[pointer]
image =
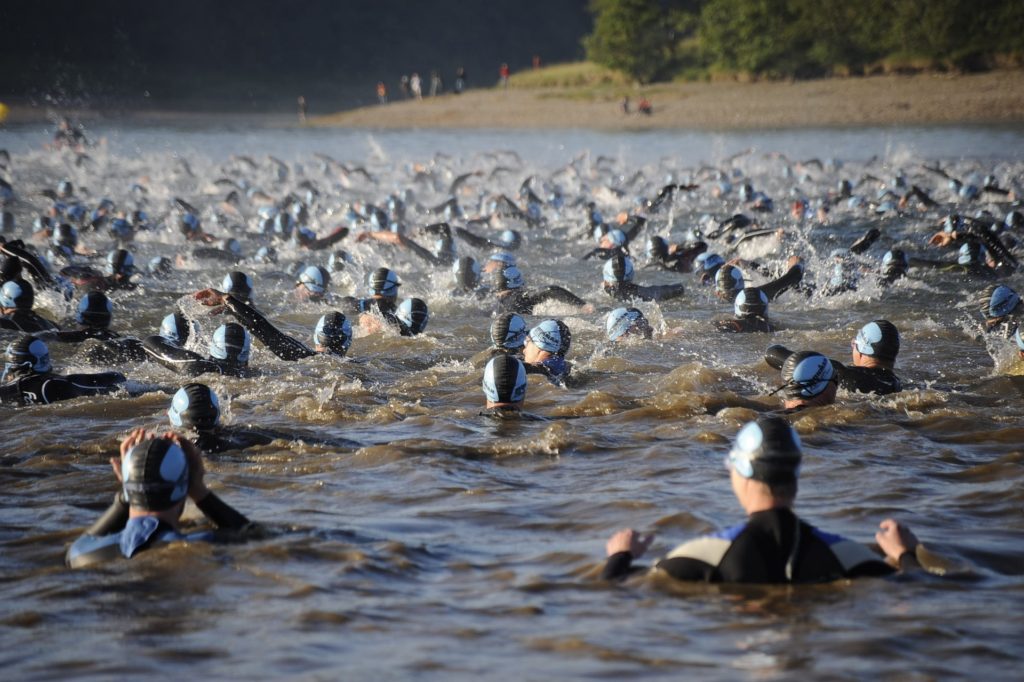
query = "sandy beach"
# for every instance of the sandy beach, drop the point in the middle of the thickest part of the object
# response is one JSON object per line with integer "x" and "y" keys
{"x": 994, "y": 97}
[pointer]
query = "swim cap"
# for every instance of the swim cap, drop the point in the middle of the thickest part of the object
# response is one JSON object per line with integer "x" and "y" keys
{"x": 121, "y": 230}
{"x": 1013, "y": 220}
{"x": 508, "y": 278}
{"x": 729, "y": 280}
{"x": 657, "y": 247}
{"x": 413, "y": 314}
{"x": 508, "y": 331}
{"x": 617, "y": 237}
{"x": 188, "y": 224}
{"x": 95, "y": 310}
{"x": 155, "y": 474}
{"x": 618, "y": 268}
{"x": 232, "y": 343}
{"x": 65, "y": 189}
{"x": 999, "y": 301}
{"x": 547, "y": 336}
{"x": 337, "y": 261}
{"x": 502, "y": 257}
{"x": 282, "y": 225}
{"x": 238, "y": 284}
{"x": 10, "y": 269}
{"x": 504, "y": 380}
{"x": 879, "y": 339}
{"x": 767, "y": 450}
{"x": 315, "y": 279}
{"x": 807, "y": 374}
{"x": 27, "y": 353}
{"x": 383, "y": 282}
{"x": 232, "y": 246}
{"x": 626, "y": 320}
{"x": 510, "y": 239}
{"x": 751, "y": 302}
{"x": 711, "y": 261}
{"x": 177, "y": 328}
{"x": 467, "y": 272}
{"x": 65, "y": 235}
{"x": 444, "y": 245}
{"x": 120, "y": 262}
{"x": 17, "y": 294}
{"x": 194, "y": 406}
{"x": 333, "y": 332}
{"x": 895, "y": 262}
{"x": 971, "y": 253}
{"x": 265, "y": 254}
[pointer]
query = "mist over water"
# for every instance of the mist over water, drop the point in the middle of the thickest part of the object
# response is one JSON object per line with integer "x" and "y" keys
{"x": 449, "y": 546}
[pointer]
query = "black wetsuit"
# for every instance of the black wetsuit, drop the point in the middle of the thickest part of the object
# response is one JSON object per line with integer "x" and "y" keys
{"x": 111, "y": 348}
{"x": 627, "y": 291}
{"x": 181, "y": 360}
{"x": 766, "y": 549}
{"x": 877, "y": 380}
{"x": 789, "y": 279}
{"x": 46, "y": 388}
{"x": 115, "y": 535}
{"x": 280, "y": 344}
{"x": 319, "y": 244}
{"x": 211, "y": 253}
{"x": 442, "y": 259}
{"x": 27, "y": 321}
{"x": 554, "y": 368}
{"x": 745, "y": 325}
{"x": 522, "y": 301}
{"x": 682, "y": 259}
{"x": 479, "y": 242}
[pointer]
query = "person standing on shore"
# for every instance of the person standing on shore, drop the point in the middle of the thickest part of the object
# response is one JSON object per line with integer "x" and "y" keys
{"x": 460, "y": 80}
{"x": 504, "y": 72}
{"x": 403, "y": 85}
{"x": 416, "y": 86}
{"x": 302, "y": 109}
{"x": 436, "y": 84}
{"x": 625, "y": 105}
{"x": 382, "y": 92}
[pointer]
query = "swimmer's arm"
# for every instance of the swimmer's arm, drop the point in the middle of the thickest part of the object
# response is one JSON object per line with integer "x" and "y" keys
{"x": 328, "y": 241}
{"x": 622, "y": 548}
{"x": 114, "y": 518}
{"x": 776, "y": 355}
{"x": 221, "y": 513}
{"x": 420, "y": 251}
{"x": 280, "y": 344}
{"x": 638, "y": 223}
{"x": 791, "y": 278}
{"x": 472, "y": 239}
{"x": 556, "y": 293}
{"x": 899, "y": 544}
{"x": 215, "y": 509}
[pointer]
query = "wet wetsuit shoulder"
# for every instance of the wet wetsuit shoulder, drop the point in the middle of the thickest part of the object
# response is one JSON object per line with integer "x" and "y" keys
{"x": 791, "y": 278}
{"x": 876, "y": 380}
{"x": 554, "y": 293}
{"x": 280, "y": 344}
{"x": 178, "y": 359}
{"x": 515, "y": 301}
{"x": 43, "y": 389}
{"x": 26, "y": 321}
{"x": 555, "y": 368}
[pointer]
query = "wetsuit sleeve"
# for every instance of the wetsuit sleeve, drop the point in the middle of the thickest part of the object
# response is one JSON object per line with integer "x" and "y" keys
{"x": 791, "y": 278}
{"x": 866, "y": 380}
{"x": 328, "y": 241}
{"x": 113, "y": 520}
{"x": 776, "y": 355}
{"x": 686, "y": 568}
{"x": 660, "y": 292}
{"x": 556, "y": 293}
{"x": 176, "y": 358}
{"x": 473, "y": 240}
{"x": 280, "y": 344}
{"x": 618, "y": 566}
{"x": 603, "y": 254}
{"x": 70, "y": 336}
{"x": 38, "y": 271}
{"x": 421, "y": 252}
{"x": 221, "y": 513}
{"x": 100, "y": 382}
{"x": 638, "y": 223}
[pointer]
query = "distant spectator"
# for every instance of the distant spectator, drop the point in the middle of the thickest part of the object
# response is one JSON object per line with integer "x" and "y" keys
{"x": 415, "y": 86}
{"x": 536, "y": 61}
{"x": 504, "y": 73}
{"x": 644, "y": 107}
{"x": 625, "y": 105}
{"x": 302, "y": 109}
{"x": 382, "y": 92}
{"x": 436, "y": 84}
{"x": 460, "y": 80}
{"x": 403, "y": 85}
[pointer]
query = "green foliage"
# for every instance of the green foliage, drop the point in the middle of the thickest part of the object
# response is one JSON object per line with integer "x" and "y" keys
{"x": 648, "y": 40}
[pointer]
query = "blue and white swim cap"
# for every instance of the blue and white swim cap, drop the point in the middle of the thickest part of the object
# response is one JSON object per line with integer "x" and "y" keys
{"x": 334, "y": 332}
{"x": 767, "y": 450}
{"x": 879, "y": 339}
{"x": 618, "y": 268}
{"x": 413, "y": 313}
{"x": 547, "y": 336}
{"x": 232, "y": 343}
{"x": 504, "y": 380}
{"x": 194, "y": 406}
{"x": 807, "y": 374}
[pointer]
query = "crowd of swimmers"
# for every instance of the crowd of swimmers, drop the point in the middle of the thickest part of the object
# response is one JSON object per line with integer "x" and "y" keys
{"x": 159, "y": 472}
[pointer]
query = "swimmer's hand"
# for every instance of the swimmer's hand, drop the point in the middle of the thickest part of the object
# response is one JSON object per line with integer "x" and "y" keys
{"x": 628, "y": 540}
{"x": 130, "y": 441}
{"x": 895, "y": 539}
{"x": 942, "y": 238}
{"x": 588, "y": 309}
{"x": 212, "y": 298}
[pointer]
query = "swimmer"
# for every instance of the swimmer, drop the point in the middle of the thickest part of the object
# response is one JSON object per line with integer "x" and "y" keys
{"x": 544, "y": 351}
{"x": 383, "y": 300}
{"x": 810, "y": 381}
{"x": 16, "y": 300}
{"x": 229, "y": 352}
{"x": 307, "y": 239}
{"x": 312, "y": 284}
{"x": 874, "y": 352}
{"x": 229, "y": 251}
{"x": 773, "y": 545}
{"x": 196, "y": 410}
{"x": 706, "y": 266}
{"x": 118, "y": 275}
{"x": 1001, "y": 307}
{"x": 157, "y": 474}
{"x": 499, "y": 260}
{"x": 444, "y": 254}
{"x": 466, "y": 272}
{"x": 238, "y": 284}
{"x": 508, "y": 335}
{"x": 673, "y": 257}
{"x": 507, "y": 240}
{"x": 507, "y": 285}
{"x": 627, "y": 323}
{"x": 750, "y": 314}
{"x": 28, "y": 377}
{"x": 94, "y": 315}
{"x": 618, "y": 283}
{"x": 504, "y": 386}
{"x": 894, "y": 267}
{"x": 333, "y": 332}
{"x": 412, "y": 316}
{"x": 729, "y": 280}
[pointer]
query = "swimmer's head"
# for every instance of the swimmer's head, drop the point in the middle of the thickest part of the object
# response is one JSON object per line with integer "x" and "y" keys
{"x": 879, "y": 339}
{"x": 807, "y": 375}
{"x": 413, "y": 313}
{"x": 750, "y": 302}
{"x": 333, "y": 333}
{"x": 155, "y": 475}
{"x": 508, "y": 278}
{"x": 338, "y": 260}
{"x": 508, "y": 331}
{"x": 767, "y": 450}
{"x": 189, "y": 225}
{"x": 510, "y": 239}
{"x": 504, "y": 381}
{"x": 231, "y": 343}
{"x": 618, "y": 269}
{"x": 65, "y": 235}
{"x": 121, "y": 230}
{"x": 120, "y": 263}
{"x": 265, "y": 254}
{"x": 613, "y": 239}
{"x": 551, "y": 336}
{"x": 238, "y": 284}
{"x": 27, "y": 355}
{"x": 314, "y": 280}
{"x": 65, "y": 189}
{"x": 627, "y": 321}
{"x": 232, "y": 246}
{"x": 895, "y": 263}
{"x": 17, "y": 294}
{"x": 177, "y": 328}
{"x": 95, "y": 310}
{"x": 467, "y": 273}
{"x": 971, "y": 253}
{"x": 499, "y": 260}
{"x": 194, "y": 406}
{"x": 383, "y": 282}
{"x": 728, "y": 282}
{"x": 657, "y": 248}
{"x": 709, "y": 265}
{"x": 998, "y": 301}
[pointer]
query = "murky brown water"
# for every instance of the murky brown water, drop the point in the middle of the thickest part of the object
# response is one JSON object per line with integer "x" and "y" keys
{"x": 453, "y": 547}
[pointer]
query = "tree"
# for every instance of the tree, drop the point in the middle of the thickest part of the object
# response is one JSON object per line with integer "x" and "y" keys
{"x": 637, "y": 37}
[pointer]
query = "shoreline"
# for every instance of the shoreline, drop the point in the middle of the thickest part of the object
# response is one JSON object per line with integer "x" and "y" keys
{"x": 995, "y": 97}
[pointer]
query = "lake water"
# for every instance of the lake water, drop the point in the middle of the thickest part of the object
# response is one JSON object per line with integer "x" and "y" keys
{"x": 452, "y": 547}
